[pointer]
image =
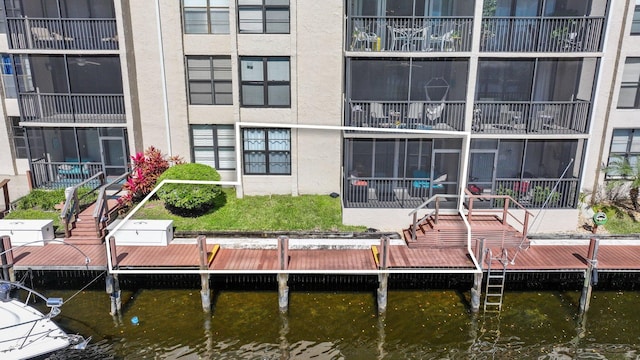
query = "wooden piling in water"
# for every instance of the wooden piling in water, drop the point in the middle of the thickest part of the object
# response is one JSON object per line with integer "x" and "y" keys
{"x": 476, "y": 290}
{"x": 283, "y": 287}
{"x": 592, "y": 263}
{"x": 205, "y": 292}
{"x": 7, "y": 259}
{"x": 383, "y": 278}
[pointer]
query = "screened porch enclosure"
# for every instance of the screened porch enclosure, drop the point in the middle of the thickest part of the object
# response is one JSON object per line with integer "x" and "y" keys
{"x": 533, "y": 172}
{"x": 400, "y": 172}
{"x": 407, "y": 93}
{"x": 403, "y": 173}
{"x": 64, "y": 156}
{"x": 70, "y": 88}
{"x": 534, "y": 95}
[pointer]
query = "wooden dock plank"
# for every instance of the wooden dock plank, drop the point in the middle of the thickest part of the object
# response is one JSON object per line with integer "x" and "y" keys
{"x": 178, "y": 255}
{"x": 59, "y": 256}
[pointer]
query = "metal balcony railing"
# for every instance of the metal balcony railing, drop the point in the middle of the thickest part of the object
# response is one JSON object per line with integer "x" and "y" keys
{"x": 376, "y": 192}
{"x": 72, "y": 108}
{"x": 536, "y": 193}
{"x": 536, "y": 34}
{"x": 58, "y": 174}
{"x": 409, "y": 34}
{"x": 422, "y": 115}
{"x": 531, "y": 117}
{"x": 62, "y": 34}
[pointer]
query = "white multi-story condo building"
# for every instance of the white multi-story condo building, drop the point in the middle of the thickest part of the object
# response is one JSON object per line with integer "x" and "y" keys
{"x": 385, "y": 102}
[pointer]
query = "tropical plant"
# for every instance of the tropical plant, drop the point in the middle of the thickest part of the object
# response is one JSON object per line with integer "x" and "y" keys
{"x": 505, "y": 191}
{"x": 147, "y": 167}
{"x": 190, "y": 199}
{"x": 621, "y": 172}
{"x": 541, "y": 194}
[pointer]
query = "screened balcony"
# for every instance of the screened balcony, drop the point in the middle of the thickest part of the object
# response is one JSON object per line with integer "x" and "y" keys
{"x": 61, "y": 25}
{"x": 72, "y": 108}
{"x": 421, "y": 115}
{"x": 406, "y": 93}
{"x": 409, "y": 25}
{"x": 565, "y": 26}
{"x": 62, "y": 34}
{"x": 409, "y": 34}
{"x": 531, "y": 117}
{"x": 533, "y": 34}
{"x": 546, "y": 95}
{"x": 70, "y": 89}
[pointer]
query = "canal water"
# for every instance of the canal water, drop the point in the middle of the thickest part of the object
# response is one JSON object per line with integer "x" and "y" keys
{"x": 419, "y": 324}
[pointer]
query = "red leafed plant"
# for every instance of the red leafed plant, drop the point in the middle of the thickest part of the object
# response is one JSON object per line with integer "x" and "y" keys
{"x": 147, "y": 167}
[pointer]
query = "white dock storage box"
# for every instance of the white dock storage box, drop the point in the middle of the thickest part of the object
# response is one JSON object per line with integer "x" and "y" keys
{"x": 27, "y": 232}
{"x": 143, "y": 233}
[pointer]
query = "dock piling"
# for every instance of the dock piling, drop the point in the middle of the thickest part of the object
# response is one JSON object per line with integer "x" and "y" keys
{"x": 383, "y": 278}
{"x": 476, "y": 290}
{"x": 7, "y": 259}
{"x": 113, "y": 289}
{"x": 205, "y": 293}
{"x": 283, "y": 278}
{"x": 592, "y": 263}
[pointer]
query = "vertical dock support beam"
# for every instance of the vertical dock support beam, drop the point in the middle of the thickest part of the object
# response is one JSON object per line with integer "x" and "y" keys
{"x": 476, "y": 290}
{"x": 283, "y": 278}
{"x": 113, "y": 285}
{"x": 113, "y": 289}
{"x": 205, "y": 293}
{"x": 590, "y": 274}
{"x": 383, "y": 278}
{"x": 6, "y": 256}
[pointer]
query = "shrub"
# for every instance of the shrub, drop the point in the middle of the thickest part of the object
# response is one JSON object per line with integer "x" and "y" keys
{"x": 190, "y": 199}
{"x": 147, "y": 167}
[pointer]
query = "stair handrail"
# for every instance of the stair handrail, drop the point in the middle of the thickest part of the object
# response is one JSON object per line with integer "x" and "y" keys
{"x": 102, "y": 206}
{"x": 71, "y": 206}
{"x": 417, "y": 222}
{"x": 508, "y": 200}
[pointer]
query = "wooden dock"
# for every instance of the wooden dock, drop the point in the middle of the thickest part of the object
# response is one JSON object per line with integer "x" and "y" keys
{"x": 552, "y": 258}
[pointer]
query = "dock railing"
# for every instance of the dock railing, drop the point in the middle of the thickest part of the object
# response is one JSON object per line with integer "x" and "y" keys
{"x": 74, "y": 203}
{"x": 101, "y": 211}
{"x": 435, "y": 212}
{"x": 507, "y": 203}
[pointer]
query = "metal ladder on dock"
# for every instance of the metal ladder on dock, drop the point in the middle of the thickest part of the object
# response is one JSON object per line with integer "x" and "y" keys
{"x": 494, "y": 288}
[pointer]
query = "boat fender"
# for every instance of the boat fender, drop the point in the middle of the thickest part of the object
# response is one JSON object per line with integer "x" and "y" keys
{"x": 5, "y": 292}
{"x": 594, "y": 276}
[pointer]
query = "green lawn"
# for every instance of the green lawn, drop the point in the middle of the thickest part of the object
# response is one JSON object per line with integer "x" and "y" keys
{"x": 619, "y": 221}
{"x": 260, "y": 213}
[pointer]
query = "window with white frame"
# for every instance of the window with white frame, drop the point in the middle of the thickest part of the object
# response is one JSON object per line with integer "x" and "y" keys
{"x": 629, "y": 97}
{"x": 265, "y": 82}
{"x": 267, "y": 151}
{"x": 214, "y": 145}
{"x": 263, "y": 16}
{"x": 209, "y": 79}
{"x": 625, "y": 144}
{"x": 206, "y": 16}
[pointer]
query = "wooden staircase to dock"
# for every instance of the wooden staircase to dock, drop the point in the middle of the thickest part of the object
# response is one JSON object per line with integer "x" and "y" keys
{"x": 85, "y": 222}
{"x": 450, "y": 231}
{"x": 86, "y": 230}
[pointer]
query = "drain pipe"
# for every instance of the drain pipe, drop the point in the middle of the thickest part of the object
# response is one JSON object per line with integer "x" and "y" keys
{"x": 163, "y": 78}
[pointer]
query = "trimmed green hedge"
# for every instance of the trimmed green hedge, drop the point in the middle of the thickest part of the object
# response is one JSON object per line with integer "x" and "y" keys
{"x": 190, "y": 199}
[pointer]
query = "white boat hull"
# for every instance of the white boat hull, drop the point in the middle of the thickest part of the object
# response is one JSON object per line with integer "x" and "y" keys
{"x": 26, "y": 333}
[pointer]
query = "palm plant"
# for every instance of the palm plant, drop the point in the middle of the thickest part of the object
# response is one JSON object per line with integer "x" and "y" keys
{"x": 622, "y": 172}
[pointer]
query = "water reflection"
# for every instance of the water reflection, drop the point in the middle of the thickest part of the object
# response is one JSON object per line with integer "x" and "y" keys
{"x": 342, "y": 325}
